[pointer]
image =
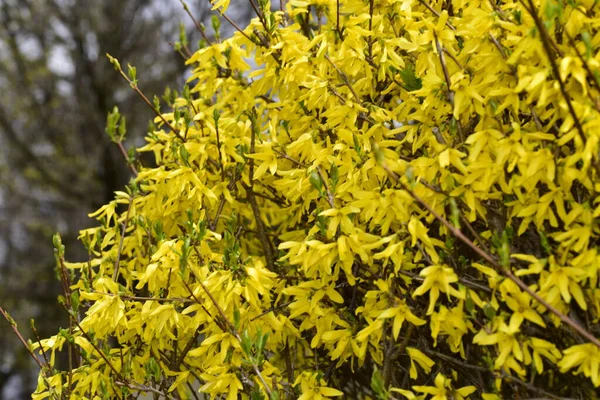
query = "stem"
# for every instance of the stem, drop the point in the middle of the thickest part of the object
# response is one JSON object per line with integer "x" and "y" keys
{"x": 143, "y": 96}
{"x": 140, "y": 298}
{"x": 329, "y": 195}
{"x": 187, "y": 10}
{"x": 13, "y": 326}
{"x": 91, "y": 342}
{"x": 121, "y": 239}
{"x": 436, "y": 13}
{"x": 126, "y": 156}
{"x": 344, "y": 78}
{"x": 67, "y": 291}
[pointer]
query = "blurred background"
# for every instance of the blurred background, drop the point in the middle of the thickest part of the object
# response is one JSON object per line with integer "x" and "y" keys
{"x": 56, "y": 161}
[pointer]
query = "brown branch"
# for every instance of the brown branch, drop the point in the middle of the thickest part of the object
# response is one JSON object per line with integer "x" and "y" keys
{"x": 436, "y": 13}
{"x": 66, "y": 283}
{"x": 126, "y": 156}
{"x": 236, "y": 27}
{"x": 587, "y": 68}
{"x": 455, "y": 59}
{"x": 187, "y": 10}
{"x": 457, "y": 233}
{"x": 43, "y": 368}
{"x": 135, "y": 88}
{"x": 39, "y": 341}
{"x": 275, "y": 308}
{"x": 142, "y": 298}
{"x": 15, "y": 329}
{"x": 100, "y": 352}
{"x": 144, "y": 388}
{"x": 187, "y": 348}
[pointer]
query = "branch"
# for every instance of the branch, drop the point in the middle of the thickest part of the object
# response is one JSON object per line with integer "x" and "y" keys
{"x": 458, "y": 234}
{"x": 15, "y": 329}
{"x": 135, "y": 88}
{"x": 187, "y": 10}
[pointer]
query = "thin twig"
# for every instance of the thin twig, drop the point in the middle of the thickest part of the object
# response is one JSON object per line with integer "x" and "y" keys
{"x": 236, "y": 27}
{"x": 344, "y": 78}
{"x": 587, "y": 68}
{"x": 100, "y": 352}
{"x": 149, "y": 104}
{"x": 66, "y": 282}
{"x": 39, "y": 341}
{"x": 142, "y": 298}
{"x": 337, "y": 19}
{"x": 144, "y": 388}
{"x": 121, "y": 240}
{"x": 436, "y": 13}
{"x": 187, "y": 10}
{"x": 187, "y": 348}
{"x": 221, "y": 166}
{"x": 329, "y": 194}
{"x": 15, "y": 329}
{"x": 275, "y": 308}
{"x": 454, "y": 59}
{"x": 126, "y": 156}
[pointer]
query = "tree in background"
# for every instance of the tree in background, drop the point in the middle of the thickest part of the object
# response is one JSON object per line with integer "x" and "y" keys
{"x": 56, "y": 162}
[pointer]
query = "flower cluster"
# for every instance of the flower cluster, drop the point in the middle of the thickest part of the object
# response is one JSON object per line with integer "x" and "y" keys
{"x": 398, "y": 199}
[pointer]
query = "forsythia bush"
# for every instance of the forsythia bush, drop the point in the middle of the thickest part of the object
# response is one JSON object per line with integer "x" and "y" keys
{"x": 398, "y": 200}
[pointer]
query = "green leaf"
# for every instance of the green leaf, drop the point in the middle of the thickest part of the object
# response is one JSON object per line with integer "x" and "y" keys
{"x": 489, "y": 311}
{"x": 182, "y": 35}
{"x": 454, "y": 213}
{"x": 122, "y": 128}
{"x": 377, "y": 385}
{"x": 410, "y": 79}
{"x": 236, "y": 318}
{"x": 216, "y": 24}
{"x": 587, "y": 40}
{"x": 334, "y": 173}
{"x": 75, "y": 300}
{"x": 114, "y": 62}
{"x": 246, "y": 342}
{"x": 132, "y": 71}
{"x": 315, "y": 180}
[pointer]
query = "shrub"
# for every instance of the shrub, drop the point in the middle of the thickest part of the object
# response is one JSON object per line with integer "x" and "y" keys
{"x": 400, "y": 200}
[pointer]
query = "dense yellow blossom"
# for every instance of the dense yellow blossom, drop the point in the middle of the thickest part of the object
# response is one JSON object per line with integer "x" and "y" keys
{"x": 400, "y": 190}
